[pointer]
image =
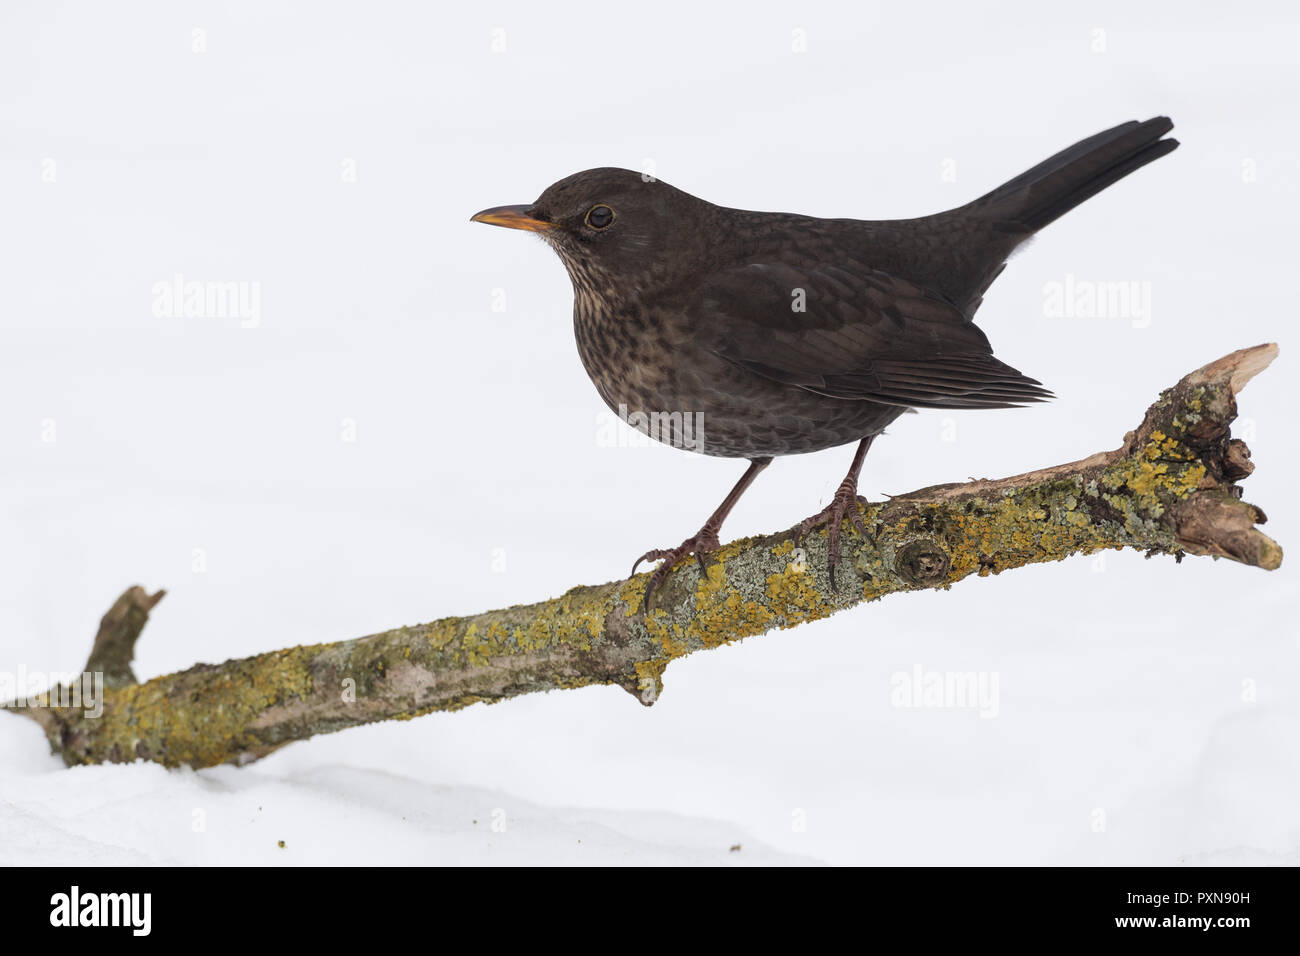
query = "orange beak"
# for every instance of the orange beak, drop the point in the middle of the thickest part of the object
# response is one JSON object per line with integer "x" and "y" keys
{"x": 512, "y": 217}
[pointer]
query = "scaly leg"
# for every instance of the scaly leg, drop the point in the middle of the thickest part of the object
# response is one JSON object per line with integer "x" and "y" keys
{"x": 707, "y": 538}
{"x": 844, "y": 504}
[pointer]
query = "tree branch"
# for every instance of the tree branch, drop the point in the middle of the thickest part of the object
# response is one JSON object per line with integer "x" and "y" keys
{"x": 1170, "y": 488}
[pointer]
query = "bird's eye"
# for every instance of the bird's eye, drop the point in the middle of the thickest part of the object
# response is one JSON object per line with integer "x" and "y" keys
{"x": 598, "y": 217}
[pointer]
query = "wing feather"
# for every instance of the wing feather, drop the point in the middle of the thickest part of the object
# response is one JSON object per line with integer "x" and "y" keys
{"x": 851, "y": 332}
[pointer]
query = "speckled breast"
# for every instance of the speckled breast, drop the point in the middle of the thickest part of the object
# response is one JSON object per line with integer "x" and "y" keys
{"x": 655, "y": 376}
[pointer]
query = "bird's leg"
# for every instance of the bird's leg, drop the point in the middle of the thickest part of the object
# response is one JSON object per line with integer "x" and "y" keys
{"x": 844, "y": 504}
{"x": 703, "y": 542}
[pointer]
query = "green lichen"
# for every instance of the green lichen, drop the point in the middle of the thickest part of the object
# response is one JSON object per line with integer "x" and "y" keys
{"x": 216, "y": 718}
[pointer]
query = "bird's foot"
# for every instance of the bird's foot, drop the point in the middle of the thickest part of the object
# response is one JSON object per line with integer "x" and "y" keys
{"x": 845, "y": 504}
{"x": 699, "y": 545}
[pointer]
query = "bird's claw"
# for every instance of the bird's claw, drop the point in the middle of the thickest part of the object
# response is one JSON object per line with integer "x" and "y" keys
{"x": 845, "y": 504}
{"x": 701, "y": 544}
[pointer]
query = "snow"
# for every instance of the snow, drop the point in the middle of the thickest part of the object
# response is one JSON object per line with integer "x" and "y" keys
{"x": 333, "y": 815}
{"x": 1146, "y": 711}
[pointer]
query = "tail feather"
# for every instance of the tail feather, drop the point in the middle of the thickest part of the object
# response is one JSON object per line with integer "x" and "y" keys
{"x": 1049, "y": 190}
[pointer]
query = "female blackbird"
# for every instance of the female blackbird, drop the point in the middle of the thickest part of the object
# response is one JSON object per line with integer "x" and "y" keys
{"x": 758, "y": 334}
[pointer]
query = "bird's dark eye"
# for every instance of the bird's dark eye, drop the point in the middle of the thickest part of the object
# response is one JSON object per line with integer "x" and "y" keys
{"x": 598, "y": 217}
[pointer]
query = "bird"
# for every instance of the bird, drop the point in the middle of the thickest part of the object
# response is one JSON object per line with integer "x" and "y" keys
{"x": 755, "y": 335}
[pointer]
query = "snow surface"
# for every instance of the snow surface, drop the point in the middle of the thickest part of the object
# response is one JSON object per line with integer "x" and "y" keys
{"x": 1146, "y": 712}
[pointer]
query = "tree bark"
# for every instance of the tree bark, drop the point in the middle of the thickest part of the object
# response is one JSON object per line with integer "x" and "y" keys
{"x": 1170, "y": 488}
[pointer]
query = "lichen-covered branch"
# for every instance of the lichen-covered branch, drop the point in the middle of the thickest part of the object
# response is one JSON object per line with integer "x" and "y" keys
{"x": 1170, "y": 488}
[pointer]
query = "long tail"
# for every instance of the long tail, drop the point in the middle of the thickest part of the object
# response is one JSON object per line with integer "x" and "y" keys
{"x": 1055, "y": 186}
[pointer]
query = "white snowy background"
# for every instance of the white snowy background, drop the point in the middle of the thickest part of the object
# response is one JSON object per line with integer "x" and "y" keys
{"x": 1146, "y": 712}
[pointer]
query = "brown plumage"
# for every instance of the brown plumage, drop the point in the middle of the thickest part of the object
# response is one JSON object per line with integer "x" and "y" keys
{"x": 782, "y": 334}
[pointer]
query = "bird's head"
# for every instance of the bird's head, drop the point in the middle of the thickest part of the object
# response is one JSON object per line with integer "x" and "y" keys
{"x": 610, "y": 225}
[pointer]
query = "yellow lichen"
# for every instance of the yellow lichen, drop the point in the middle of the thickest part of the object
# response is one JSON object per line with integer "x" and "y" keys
{"x": 795, "y": 597}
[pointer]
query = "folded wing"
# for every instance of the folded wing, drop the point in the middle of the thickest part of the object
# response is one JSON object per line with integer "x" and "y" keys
{"x": 850, "y": 332}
